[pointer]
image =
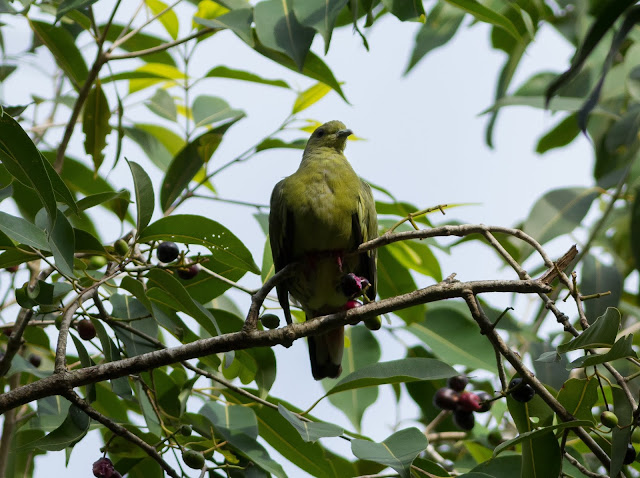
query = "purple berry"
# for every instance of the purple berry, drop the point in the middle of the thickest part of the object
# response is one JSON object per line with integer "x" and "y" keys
{"x": 464, "y": 420}
{"x": 485, "y": 401}
{"x": 458, "y": 383}
{"x": 188, "y": 272}
{"x": 167, "y": 252}
{"x": 520, "y": 390}
{"x": 103, "y": 468}
{"x": 445, "y": 399}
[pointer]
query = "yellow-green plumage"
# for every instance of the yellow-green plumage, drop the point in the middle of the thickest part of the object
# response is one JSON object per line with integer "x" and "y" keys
{"x": 318, "y": 214}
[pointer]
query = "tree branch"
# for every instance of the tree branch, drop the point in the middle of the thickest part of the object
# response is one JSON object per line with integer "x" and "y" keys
{"x": 119, "y": 430}
{"x": 163, "y": 47}
{"x": 245, "y": 339}
{"x": 487, "y": 329}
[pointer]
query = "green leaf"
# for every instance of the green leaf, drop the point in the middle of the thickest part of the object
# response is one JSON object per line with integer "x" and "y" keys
{"x": 442, "y": 24}
{"x": 63, "y": 47}
{"x": 97, "y": 199}
{"x": 85, "y": 360}
{"x": 635, "y": 227}
{"x": 310, "y": 431}
{"x": 600, "y": 27}
{"x": 621, "y": 349}
{"x": 238, "y": 21}
{"x": 61, "y": 190}
{"x": 95, "y": 124}
{"x": 23, "y": 231}
{"x": 169, "y": 19}
{"x": 405, "y": 10}
{"x": 320, "y": 15}
{"x": 211, "y": 109}
{"x": 278, "y": 29}
{"x": 61, "y": 240}
{"x": 145, "y": 198}
{"x": 233, "y": 74}
{"x": 601, "y": 333}
{"x": 24, "y": 162}
{"x": 313, "y": 67}
{"x": 556, "y": 104}
{"x": 363, "y": 350}
{"x": 622, "y": 433}
{"x": 186, "y": 164}
{"x": 162, "y": 104}
{"x": 159, "y": 143}
{"x": 394, "y": 279}
{"x": 148, "y": 412}
{"x": 272, "y": 143}
{"x": 310, "y": 457}
{"x": 14, "y": 257}
{"x": 309, "y": 97}
{"x": 395, "y": 371}
{"x": 454, "y": 336}
{"x": 239, "y": 427}
{"x": 397, "y": 451}
{"x": 599, "y": 277}
{"x": 560, "y": 135}
{"x": 163, "y": 281}
{"x": 558, "y": 212}
{"x": 417, "y": 256}
{"x": 538, "y": 433}
{"x": 191, "y": 229}
{"x": 72, "y": 430}
{"x": 578, "y": 396}
{"x": 205, "y": 287}
{"x": 156, "y": 72}
{"x": 67, "y": 6}
{"x": 487, "y": 15}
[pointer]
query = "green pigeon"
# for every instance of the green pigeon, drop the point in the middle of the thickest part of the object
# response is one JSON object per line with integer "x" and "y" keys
{"x": 318, "y": 215}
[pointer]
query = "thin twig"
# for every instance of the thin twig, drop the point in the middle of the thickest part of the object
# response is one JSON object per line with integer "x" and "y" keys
{"x": 580, "y": 467}
{"x": 163, "y": 47}
{"x": 119, "y": 430}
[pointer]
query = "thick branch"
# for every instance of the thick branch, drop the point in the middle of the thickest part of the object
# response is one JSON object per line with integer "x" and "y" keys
{"x": 58, "y": 383}
{"x": 487, "y": 329}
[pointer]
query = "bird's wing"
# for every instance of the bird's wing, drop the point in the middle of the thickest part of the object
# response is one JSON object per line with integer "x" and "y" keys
{"x": 281, "y": 237}
{"x": 365, "y": 227}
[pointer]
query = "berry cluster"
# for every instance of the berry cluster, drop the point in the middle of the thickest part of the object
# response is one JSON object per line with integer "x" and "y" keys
{"x": 168, "y": 252}
{"x": 463, "y": 404}
{"x": 103, "y": 468}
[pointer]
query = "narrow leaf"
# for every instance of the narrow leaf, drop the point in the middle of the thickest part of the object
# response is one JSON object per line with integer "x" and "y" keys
{"x": 95, "y": 124}
{"x": 145, "y": 198}
{"x": 310, "y": 431}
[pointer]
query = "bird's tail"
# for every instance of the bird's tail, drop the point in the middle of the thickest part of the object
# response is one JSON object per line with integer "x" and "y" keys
{"x": 325, "y": 353}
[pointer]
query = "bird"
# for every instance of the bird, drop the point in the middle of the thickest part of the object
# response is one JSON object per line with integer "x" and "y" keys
{"x": 319, "y": 215}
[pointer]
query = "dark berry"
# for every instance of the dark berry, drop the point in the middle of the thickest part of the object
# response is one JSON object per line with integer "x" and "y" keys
{"x": 167, "y": 252}
{"x": 13, "y": 268}
{"x": 186, "y": 430}
{"x": 7, "y": 331}
{"x": 520, "y": 390}
{"x": 630, "y": 455}
{"x": 121, "y": 247}
{"x": 270, "y": 321}
{"x": 86, "y": 329}
{"x": 608, "y": 419}
{"x": 193, "y": 459}
{"x": 188, "y": 272}
{"x": 103, "y": 468}
{"x": 35, "y": 360}
{"x": 485, "y": 401}
{"x": 445, "y": 399}
{"x": 468, "y": 402}
{"x": 464, "y": 420}
{"x": 458, "y": 383}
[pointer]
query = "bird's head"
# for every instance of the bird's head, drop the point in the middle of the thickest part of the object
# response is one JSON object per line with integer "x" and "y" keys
{"x": 333, "y": 134}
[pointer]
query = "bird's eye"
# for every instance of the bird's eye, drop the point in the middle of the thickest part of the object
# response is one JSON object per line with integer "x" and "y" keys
{"x": 320, "y": 133}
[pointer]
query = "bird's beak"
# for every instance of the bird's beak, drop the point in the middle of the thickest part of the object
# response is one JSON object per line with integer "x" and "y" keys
{"x": 344, "y": 133}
